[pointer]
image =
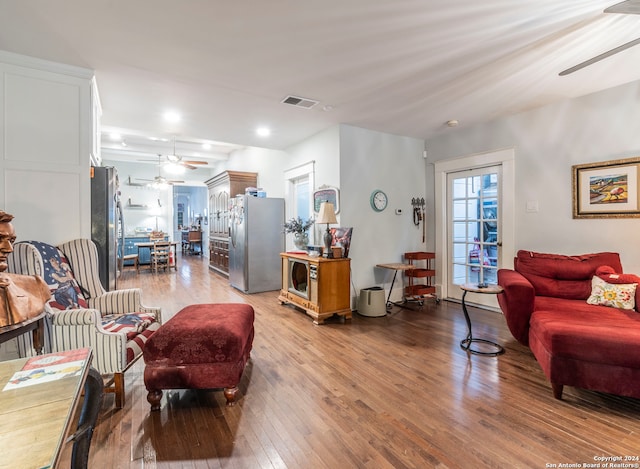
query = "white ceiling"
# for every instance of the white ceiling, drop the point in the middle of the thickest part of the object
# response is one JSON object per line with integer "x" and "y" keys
{"x": 399, "y": 66}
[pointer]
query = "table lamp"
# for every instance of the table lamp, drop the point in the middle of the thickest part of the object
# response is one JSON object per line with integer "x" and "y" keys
{"x": 327, "y": 215}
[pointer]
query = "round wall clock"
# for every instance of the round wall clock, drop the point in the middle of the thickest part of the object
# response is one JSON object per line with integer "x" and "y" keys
{"x": 378, "y": 200}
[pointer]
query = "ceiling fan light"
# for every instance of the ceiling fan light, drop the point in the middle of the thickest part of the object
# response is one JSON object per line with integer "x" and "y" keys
{"x": 174, "y": 168}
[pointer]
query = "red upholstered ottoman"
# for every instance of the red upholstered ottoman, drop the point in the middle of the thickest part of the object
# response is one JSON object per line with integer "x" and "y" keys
{"x": 203, "y": 346}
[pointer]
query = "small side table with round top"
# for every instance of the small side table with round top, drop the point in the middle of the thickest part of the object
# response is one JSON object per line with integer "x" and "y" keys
{"x": 465, "y": 344}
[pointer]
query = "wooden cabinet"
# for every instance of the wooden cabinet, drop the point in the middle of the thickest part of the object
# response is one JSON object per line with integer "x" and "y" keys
{"x": 222, "y": 188}
{"x": 317, "y": 285}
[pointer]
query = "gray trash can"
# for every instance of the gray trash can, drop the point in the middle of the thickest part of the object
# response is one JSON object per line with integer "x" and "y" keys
{"x": 371, "y": 302}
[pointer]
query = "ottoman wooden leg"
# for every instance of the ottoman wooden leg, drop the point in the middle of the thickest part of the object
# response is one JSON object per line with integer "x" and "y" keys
{"x": 557, "y": 390}
{"x": 118, "y": 385}
{"x": 154, "y": 397}
{"x": 230, "y": 394}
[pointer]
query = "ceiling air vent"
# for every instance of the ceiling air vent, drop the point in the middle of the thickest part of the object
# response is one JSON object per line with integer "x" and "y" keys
{"x": 299, "y": 102}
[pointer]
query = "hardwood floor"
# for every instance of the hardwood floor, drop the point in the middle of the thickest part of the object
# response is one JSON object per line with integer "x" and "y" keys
{"x": 383, "y": 392}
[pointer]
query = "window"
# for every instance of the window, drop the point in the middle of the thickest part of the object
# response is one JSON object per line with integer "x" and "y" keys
{"x": 302, "y": 197}
{"x": 298, "y": 190}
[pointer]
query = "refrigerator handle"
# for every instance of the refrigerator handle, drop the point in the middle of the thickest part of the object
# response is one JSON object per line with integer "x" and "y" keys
{"x": 120, "y": 217}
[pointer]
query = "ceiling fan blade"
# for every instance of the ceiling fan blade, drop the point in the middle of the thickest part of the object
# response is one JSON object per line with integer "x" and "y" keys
{"x": 600, "y": 57}
{"x": 195, "y": 162}
{"x": 630, "y": 7}
{"x": 187, "y": 165}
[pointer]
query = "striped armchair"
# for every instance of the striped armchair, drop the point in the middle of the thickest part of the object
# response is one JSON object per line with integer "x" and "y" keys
{"x": 114, "y": 324}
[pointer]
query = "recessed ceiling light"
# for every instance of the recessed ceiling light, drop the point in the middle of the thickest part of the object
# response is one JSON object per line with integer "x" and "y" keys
{"x": 263, "y": 131}
{"x": 206, "y": 146}
{"x": 452, "y": 123}
{"x": 116, "y": 137}
{"x": 171, "y": 116}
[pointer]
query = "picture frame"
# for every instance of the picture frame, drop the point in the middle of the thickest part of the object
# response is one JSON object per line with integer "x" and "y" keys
{"x": 326, "y": 194}
{"x": 343, "y": 236}
{"x": 607, "y": 189}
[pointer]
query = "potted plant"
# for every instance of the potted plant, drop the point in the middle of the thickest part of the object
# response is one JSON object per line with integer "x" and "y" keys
{"x": 300, "y": 229}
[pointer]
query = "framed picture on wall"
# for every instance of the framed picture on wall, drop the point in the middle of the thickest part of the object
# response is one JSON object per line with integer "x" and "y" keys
{"x": 326, "y": 194}
{"x": 607, "y": 189}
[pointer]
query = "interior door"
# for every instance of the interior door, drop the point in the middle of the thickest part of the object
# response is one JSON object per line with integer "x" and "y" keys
{"x": 474, "y": 229}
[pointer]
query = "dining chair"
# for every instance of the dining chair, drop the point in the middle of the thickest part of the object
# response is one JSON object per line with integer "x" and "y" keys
{"x": 195, "y": 239}
{"x": 161, "y": 256}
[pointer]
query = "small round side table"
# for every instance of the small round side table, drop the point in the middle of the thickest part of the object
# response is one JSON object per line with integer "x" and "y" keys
{"x": 465, "y": 344}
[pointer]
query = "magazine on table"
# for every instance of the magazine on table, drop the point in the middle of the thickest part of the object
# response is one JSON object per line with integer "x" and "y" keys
{"x": 49, "y": 367}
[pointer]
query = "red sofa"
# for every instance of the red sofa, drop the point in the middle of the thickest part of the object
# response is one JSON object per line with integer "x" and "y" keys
{"x": 577, "y": 344}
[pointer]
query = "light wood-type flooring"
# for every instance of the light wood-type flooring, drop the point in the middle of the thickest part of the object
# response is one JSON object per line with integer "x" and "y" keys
{"x": 390, "y": 392}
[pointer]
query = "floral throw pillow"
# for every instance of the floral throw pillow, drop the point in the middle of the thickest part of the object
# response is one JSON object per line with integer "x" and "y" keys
{"x": 619, "y": 295}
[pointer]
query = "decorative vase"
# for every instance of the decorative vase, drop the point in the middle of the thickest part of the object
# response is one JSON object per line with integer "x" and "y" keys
{"x": 301, "y": 240}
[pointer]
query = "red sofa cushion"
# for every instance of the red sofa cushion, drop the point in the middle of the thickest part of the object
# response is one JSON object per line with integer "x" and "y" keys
{"x": 572, "y": 329}
{"x": 561, "y": 276}
{"x": 609, "y": 275}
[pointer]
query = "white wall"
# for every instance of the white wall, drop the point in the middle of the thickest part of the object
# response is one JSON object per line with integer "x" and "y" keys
{"x": 142, "y": 195}
{"x": 372, "y": 160}
{"x": 323, "y": 149}
{"x": 356, "y": 161}
{"x": 46, "y": 140}
{"x": 548, "y": 141}
{"x": 267, "y": 163}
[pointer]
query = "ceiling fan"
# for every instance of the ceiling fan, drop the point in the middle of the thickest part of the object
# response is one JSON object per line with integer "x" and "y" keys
{"x": 628, "y": 7}
{"x": 178, "y": 160}
{"x": 174, "y": 158}
{"x": 159, "y": 180}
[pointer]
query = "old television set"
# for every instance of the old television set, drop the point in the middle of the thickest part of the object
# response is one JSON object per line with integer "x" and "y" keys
{"x": 300, "y": 274}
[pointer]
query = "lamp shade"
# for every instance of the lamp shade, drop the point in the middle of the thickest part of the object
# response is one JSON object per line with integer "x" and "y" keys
{"x": 327, "y": 213}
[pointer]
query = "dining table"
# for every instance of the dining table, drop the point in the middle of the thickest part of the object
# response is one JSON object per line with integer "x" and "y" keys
{"x": 149, "y": 245}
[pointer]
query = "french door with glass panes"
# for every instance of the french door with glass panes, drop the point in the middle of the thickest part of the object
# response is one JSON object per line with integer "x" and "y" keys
{"x": 474, "y": 228}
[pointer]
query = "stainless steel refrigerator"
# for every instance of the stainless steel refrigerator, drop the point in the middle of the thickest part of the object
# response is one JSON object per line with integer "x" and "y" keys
{"x": 107, "y": 222}
{"x": 256, "y": 239}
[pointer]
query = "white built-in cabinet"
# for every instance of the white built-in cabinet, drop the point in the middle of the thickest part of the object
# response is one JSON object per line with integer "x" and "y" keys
{"x": 49, "y": 133}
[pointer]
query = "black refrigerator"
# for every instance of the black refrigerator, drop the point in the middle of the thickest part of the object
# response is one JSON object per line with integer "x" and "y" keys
{"x": 107, "y": 222}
